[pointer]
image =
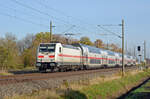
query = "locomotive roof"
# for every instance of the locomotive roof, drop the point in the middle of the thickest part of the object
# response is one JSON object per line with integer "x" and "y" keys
{"x": 110, "y": 53}
{"x": 92, "y": 49}
{"x": 99, "y": 50}
{"x": 69, "y": 46}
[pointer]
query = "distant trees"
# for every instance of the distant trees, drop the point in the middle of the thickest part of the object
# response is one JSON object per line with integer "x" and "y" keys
{"x": 25, "y": 43}
{"x": 115, "y": 48}
{"x": 28, "y": 57}
{"x": 22, "y": 53}
{"x": 99, "y": 43}
{"x": 9, "y": 52}
{"x": 3, "y": 57}
{"x": 85, "y": 40}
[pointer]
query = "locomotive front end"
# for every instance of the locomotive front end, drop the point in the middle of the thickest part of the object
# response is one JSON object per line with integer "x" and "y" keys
{"x": 46, "y": 56}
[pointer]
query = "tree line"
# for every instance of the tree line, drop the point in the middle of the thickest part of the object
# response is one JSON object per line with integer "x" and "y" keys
{"x": 21, "y": 53}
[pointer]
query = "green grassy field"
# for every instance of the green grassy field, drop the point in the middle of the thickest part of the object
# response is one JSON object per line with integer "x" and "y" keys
{"x": 141, "y": 93}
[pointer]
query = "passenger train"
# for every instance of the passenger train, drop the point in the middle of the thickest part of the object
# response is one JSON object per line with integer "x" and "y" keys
{"x": 61, "y": 57}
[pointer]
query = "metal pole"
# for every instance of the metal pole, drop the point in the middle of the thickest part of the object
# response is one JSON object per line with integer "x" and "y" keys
{"x": 144, "y": 53}
{"x": 126, "y": 51}
{"x": 140, "y": 62}
{"x": 107, "y": 42}
{"x": 50, "y": 31}
{"x": 144, "y": 50}
{"x": 134, "y": 52}
{"x": 42, "y": 37}
{"x": 123, "y": 48}
{"x": 107, "y": 46}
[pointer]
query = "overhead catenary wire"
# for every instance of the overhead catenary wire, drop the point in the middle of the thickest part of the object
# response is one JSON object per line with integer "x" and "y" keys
{"x": 63, "y": 13}
{"x": 58, "y": 19}
{"x": 51, "y": 8}
{"x": 109, "y": 31}
{"x": 59, "y": 11}
{"x": 37, "y": 10}
{"x": 24, "y": 20}
{"x": 69, "y": 29}
{"x": 44, "y": 13}
{"x": 41, "y": 12}
{"x": 24, "y": 13}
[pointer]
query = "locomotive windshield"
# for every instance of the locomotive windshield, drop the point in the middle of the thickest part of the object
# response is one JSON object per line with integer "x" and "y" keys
{"x": 47, "y": 48}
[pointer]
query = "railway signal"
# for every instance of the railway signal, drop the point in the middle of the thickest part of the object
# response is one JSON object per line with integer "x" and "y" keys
{"x": 140, "y": 56}
{"x": 139, "y": 48}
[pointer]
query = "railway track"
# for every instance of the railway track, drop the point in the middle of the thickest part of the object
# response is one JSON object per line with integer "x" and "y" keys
{"x": 20, "y": 78}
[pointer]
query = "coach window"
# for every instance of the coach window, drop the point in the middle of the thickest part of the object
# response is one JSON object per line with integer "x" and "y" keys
{"x": 60, "y": 49}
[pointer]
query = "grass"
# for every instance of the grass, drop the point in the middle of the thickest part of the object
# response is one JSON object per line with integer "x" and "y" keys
{"x": 5, "y": 73}
{"x": 111, "y": 88}
{"x": 142, "y": 92}
{"x": 108, "y": 89}
{"x": 103, "y": 87}
{"x": 25, "y": 68}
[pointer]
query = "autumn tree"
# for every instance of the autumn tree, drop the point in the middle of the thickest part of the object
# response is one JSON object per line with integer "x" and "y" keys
{"x": 30, "y": 47}
{"x": 25, "y": 43}
{"x": 11, "y": 56}
{"x": 3, "y": 57}
{"x": 86, "y": 41}
{"x": 115, "y": 48}
{"x": 98, "y": 43}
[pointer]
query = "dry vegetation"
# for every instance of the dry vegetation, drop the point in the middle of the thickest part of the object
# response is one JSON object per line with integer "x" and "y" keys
{"x": 47, "y": 94}
{"x": 89, "y": 89}
{"x": 2, "y": 73}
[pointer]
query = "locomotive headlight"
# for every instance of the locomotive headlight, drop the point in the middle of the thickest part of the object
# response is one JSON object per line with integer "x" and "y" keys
{"x": 39, "y": 60}
{"x": 38, "y": 64}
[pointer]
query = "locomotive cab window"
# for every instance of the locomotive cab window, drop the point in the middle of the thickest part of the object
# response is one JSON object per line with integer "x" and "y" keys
{"x": 59, "y": 49}
{"x": 47, "y": 48}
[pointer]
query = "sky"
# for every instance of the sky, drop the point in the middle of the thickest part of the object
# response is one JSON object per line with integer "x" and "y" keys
{"x": 22, "y": 17}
